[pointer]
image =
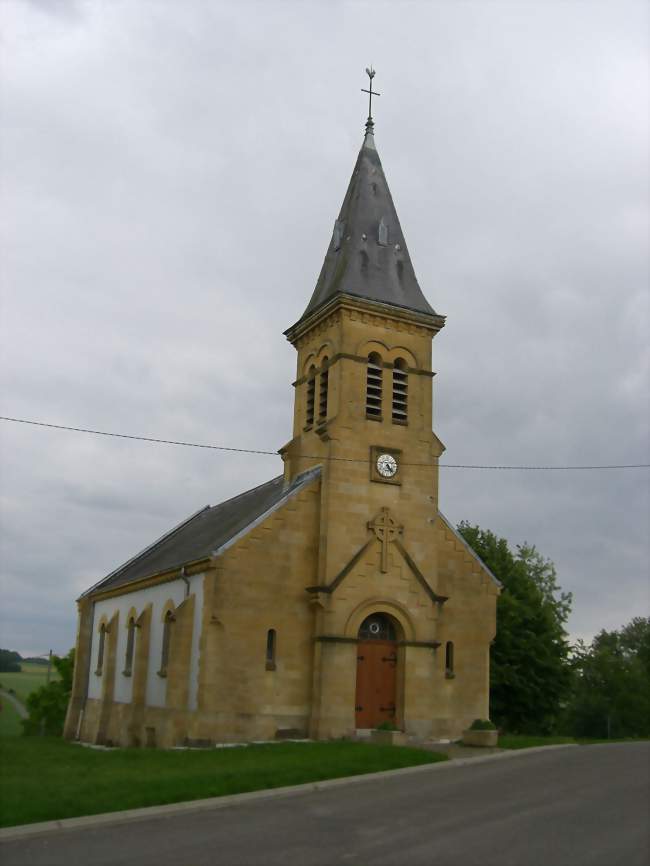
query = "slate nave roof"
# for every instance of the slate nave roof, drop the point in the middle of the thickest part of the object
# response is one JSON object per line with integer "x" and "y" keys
{"x": 205, "y": 532}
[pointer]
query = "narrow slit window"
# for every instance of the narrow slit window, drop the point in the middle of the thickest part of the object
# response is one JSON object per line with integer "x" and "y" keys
{"x": 449, "y": 659}
{"x": 324, "y": 382}
{"x": 400, "y": 392}
{"x": 100, "y": 650}
{"x": 311, "y": 397}
{"x": 130, "y": 647}
{"x": 271, "y": 641}
{"x": 374, "y": 381}
{"x": 166, "y": 643}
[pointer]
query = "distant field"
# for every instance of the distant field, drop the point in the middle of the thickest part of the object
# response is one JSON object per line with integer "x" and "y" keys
{"x": 9, "y": 719}
{"x": 28, "y": 680}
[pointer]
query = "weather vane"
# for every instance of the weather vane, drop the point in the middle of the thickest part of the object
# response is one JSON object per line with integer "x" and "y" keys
{"x": 370, "y": 72}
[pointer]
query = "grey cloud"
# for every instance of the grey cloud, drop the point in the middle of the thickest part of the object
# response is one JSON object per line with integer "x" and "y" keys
{"x": 171, "y": 174}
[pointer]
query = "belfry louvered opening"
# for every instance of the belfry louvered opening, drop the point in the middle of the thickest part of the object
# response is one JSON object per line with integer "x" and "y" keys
{"x": 400, "y": 392}
{"x": 324, "y": 382}
{"x": 311, "y": 397}
{"x": 374, "y": 386}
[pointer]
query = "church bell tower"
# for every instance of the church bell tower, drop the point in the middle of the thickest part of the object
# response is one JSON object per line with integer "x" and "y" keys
{"x": 363, "y": 390}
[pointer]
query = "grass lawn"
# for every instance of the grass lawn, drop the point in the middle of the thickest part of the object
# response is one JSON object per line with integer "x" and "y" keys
{"x": 45, "y": 778}
{"x": 30, "y": 678}
{"x": 9, "y": 719}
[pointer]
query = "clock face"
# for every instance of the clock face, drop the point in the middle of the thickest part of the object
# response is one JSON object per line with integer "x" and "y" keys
{"x": 386, "y": 465}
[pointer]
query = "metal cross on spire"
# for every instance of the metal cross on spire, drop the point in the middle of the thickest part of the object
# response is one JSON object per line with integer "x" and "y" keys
{"x": 370, "y": 72}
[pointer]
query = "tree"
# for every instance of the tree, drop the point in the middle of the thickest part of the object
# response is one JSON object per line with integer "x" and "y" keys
{"x": 611, "y": 696}
{"x": 47, "y": 706}
{"x": 530, "y": 668}
{"x": 9, "y": 661}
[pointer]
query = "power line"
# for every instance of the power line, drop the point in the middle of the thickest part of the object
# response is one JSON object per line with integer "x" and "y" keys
{"x": 307, "y": 456}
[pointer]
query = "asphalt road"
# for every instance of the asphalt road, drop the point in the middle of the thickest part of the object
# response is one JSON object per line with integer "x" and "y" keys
{"x": 567, "y": 807}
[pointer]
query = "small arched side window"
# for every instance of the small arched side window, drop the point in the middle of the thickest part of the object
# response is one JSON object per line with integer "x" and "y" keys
{"x": 374, "y": 382}
{"x": 271, "y": 642}
{"x": 166, "y": 643}
{"x": 130, "y": 647}
{"x": 311, "y": 397}
{"x": 100, "y": 649}
{"x": 400, "y": 392}
{"x": 324, "y": 382}
{"x": 449, "y": 660}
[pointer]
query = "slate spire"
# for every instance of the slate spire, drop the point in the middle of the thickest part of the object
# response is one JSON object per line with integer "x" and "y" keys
{"x": 367, "y": 255}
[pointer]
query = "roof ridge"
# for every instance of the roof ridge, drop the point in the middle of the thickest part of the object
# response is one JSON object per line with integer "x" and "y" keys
{"x": 146, "y": 550}
{"x": 170, "y": 533}
{"x": 470, "y": 549}
{"x": 299, "y": 481}
{"x": 245, "y": 492}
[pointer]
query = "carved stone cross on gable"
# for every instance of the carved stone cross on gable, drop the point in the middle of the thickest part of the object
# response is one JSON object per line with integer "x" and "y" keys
{"x": 386, "y": 529}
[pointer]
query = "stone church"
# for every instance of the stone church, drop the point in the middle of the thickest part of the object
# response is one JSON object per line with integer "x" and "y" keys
{"x": 334, "y": 597}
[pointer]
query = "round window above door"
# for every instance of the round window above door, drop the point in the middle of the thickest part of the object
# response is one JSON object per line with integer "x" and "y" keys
{"x": 377, "y": 626}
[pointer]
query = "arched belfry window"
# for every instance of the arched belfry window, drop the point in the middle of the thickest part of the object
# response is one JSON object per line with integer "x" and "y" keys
{"x": 374, "y": 377}
{"x": 377, "y": 626}
{"x": 324, "y": 383}
{"x": 400, "y": 392}
{"x": 449, "y": 660}
{"x": 100, "y": 649}
{"x": 130, "y": 647}
{"x": 271, "y": 643}
{"x": 166, "y": 642}
{"x": 311, "y": 397}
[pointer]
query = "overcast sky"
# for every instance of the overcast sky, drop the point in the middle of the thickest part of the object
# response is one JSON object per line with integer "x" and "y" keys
{"x": 170, "y": 175}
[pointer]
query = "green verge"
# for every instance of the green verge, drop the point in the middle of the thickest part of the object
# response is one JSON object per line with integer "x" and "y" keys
{"x": 526, "y": 741}
{"x": 46, "y": 779}
{"x": 9, "y": 719}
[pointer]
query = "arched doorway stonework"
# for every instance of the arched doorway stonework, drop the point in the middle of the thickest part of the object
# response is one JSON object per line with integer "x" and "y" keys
{"x": 376, "y": 696}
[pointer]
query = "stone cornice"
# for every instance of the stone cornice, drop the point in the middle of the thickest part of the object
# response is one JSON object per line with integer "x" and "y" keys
{"x": 191, "y": 568}
{"x": 336, "y": 638}
{"x": 388, "y": 314}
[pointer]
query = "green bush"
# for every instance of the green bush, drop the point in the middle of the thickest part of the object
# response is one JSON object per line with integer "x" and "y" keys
{"x": 387, "y": 726}
{"x": 47, "y": 706}
{"x": 482, "y": 725}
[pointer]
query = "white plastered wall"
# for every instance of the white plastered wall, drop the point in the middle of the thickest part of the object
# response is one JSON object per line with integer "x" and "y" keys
{"x": 157, "y": 596}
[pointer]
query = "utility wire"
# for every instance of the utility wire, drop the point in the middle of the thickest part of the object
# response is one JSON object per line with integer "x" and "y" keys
{"x": 307, "y": 456}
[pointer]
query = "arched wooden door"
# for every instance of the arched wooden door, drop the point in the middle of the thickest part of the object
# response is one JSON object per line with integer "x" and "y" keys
{"x": 376, "y": 672}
